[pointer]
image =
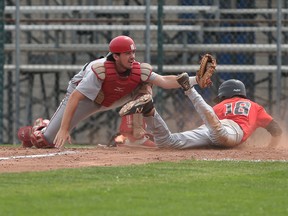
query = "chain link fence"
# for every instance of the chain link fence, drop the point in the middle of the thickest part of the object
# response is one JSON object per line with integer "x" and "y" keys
{"x": 47, "y": 42}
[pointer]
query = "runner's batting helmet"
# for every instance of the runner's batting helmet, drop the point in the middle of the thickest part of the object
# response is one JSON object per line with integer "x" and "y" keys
{"x": 121, "y": 44}
{"x": 229, "y": 89}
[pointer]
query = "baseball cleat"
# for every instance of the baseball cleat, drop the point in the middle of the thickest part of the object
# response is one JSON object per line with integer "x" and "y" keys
{"x": 183, "y": 80}
{"x": 141, "y": 105}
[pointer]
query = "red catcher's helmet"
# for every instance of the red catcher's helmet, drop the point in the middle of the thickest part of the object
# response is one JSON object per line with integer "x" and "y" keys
{"x": 121, "y": 44}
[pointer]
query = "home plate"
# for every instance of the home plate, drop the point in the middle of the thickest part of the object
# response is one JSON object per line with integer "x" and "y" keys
{"x": 37, "y": 156}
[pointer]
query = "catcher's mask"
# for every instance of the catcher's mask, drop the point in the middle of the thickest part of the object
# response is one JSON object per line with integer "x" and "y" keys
{"x": 122, "y": 44}
{"x": 229, "y": 89}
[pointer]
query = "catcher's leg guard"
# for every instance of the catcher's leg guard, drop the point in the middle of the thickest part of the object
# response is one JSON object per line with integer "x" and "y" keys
{"x": 39, "y": 141}
{"x": 24, "y": 135}
{"x": 40, "y": 123}
{"x": 139, "y": 126}
{"x": 126, "y": 125}
{"x": 132, "y": 127}
{"x": 37, "y": 137}
{"x": 30, "y": 136}
{"x": 132, "y": 132}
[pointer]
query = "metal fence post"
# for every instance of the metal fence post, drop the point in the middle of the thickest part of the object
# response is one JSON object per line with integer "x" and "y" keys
{"x": 17, "y": 73}
{"x": 279, "y": 57}
{"x": 147, "y": 33}
{"x": 2, "y": 41}
{"x": 160, "y": 52}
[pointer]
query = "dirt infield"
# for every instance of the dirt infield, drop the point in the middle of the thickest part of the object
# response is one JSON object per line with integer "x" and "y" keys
{"x": 18, "y": 159}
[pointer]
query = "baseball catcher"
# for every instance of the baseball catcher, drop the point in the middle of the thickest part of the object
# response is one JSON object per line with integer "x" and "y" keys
{"x": 101, "y": 85}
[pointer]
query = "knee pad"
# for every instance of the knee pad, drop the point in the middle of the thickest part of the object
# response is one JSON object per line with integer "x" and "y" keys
{"x": 133, "y": 126}
{"x": 40, "y": 123}
{"x": 39, "y": 141}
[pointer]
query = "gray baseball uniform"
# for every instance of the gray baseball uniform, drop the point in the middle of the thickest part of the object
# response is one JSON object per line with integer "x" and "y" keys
{"x": 89, "y": 85}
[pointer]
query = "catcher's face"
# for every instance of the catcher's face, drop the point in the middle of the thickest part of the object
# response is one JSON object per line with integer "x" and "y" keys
{"x": 124, "y": 61}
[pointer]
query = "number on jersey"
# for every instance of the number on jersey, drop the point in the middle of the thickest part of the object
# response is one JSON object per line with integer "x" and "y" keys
{"x": 240, "y": 108}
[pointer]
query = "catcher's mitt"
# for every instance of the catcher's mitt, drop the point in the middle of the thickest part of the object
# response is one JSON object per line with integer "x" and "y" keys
{"x": 206, "y": 70}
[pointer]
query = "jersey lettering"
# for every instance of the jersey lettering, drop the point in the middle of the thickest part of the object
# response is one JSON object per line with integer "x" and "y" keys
{"x": 240, "y": 108}
{"x": 228, "y": 108}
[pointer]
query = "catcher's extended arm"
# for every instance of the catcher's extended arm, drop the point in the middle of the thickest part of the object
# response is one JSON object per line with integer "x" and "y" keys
{"x": 207, "y": 68}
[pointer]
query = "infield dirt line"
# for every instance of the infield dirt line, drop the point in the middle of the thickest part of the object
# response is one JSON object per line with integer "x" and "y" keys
{"x": 37, "y": 156}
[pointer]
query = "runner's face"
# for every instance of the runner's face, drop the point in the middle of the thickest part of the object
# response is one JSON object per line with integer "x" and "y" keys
{"x": 125, "y": 60}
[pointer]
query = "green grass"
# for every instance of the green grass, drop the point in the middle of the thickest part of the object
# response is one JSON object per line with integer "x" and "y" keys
{"x": 185, "y": 188}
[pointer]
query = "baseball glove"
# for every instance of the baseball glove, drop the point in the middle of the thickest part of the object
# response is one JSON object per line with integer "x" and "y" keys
{"x": 207, "y": 68}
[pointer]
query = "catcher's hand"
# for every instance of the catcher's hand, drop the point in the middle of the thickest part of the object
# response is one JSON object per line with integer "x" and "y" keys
{"x": 206, "y": 70}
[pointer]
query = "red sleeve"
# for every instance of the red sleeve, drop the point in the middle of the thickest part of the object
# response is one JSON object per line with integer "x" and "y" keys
{"x": 263, "y": 118}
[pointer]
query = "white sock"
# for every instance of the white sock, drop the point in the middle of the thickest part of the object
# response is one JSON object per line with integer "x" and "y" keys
{"x": 193, "y": 81}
